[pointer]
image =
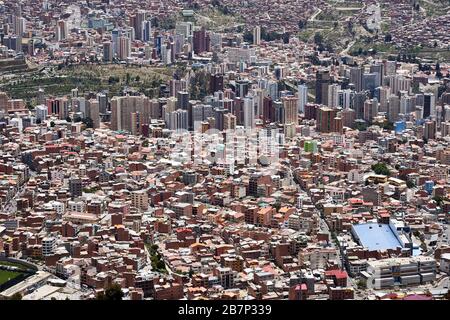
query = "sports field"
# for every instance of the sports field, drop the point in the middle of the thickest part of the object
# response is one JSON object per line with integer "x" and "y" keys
{"x": 5, "y": 276}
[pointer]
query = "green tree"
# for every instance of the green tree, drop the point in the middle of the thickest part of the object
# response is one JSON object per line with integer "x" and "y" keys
{"x": 361, "y": 126}
{"x": 88, "y": 122}
{"x": 248, "y": 36}
{"x": 362, "y": 283}
{"x": 318, "y": 38}
{"x": 410, "y": 184}
{"x": 301, "y": 24}
{"x": 381, "y": 168}
{"x": 113, "y": 293}
{"x": 439, "y": 200}
{"x": 16, "y": 296}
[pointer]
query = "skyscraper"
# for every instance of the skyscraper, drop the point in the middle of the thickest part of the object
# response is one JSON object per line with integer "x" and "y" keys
{"x": 322, "y": 83}
{"x": 429, "y": 105}
{"x": 249, "y": 112}
{"x": 62, "y": 30}
{"x": 326, "y": 120}
{"x": 124, "y": 48}
{"x": 393, "y": 108}
{"x": 378, "y": 69}
{"x": 103, "y": 102}
{"x": 369, "y": 82}
{"x": 146, "y": 30}
{"x": 201, "y": 41}
{"x": 137, "y": 22}
{"x": 123, "y": 107}
{"x": 290, "y": 110}
{"x": 370, "y": 109}
{"x": 177, "y": 120}
{"x": 333, "y": 95}
{"x": 346, "y": 98}
{"x": 356, "y": 77}
{"x": 107, "y": 51}
{"x": 302, "y": 96}
{"x": 358, "y": 104}
{"x": 75, "y": 187}
{"x": 257, "y": 35}
{"x": 93, "y": 112}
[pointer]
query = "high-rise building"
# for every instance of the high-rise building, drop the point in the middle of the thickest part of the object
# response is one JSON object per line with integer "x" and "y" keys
{"x": 182, "y": 100}
{"x": 429, "y": 131}
{"x": 356, "y": 77}
{"x": 124, "y": 48}
{"x": 429, "y": 105}
{"x": 370, "y": 109}
{"x": 41, "y": 112}
{"x": 407, "y": 104}
{"x": 322, "y": 83}
{"x": 62, "y": 30}
{"x": 219, "y": 116}
{"x": 358, "y": 104}
{"x": 302, "y": 95}
{"x": 103, "y": 102}
{"x": 93, "y": 112}
{"x": 333, "y": 95}
{"x": 242, "y": 88}
{"x": 107, "y": 51}
{"x": 326, "y": 120}
{"x": 378, "y": 69}
{"x": 123, "y": 107}
{"x": 3, "y": 102}
{"x": 290, "y": 110}
{"x": 185, "y": 29}
{"x": 58, "y": 107}
{"x": 249, "y": 112}
{"x": 346, "y": 98}
{"x": 348, "y": 118}
{"x": 399, "y": 83}
{"x": 257, "y": 35}
{"x": 137, "y": 22}
{"x": 75, "y": 187}
{"x": 176, "y": 120}
{"x": 393, "y": 108}
{"x": 48, "y": 246}
{"x": 146, "y": 30}
{"x": 369, "y": 82}
{"x": 139, "y": 199}
{"x": 201, "y": 41}
{"x": 229, "y": 121}
{"x": 272, "y": 89}
{"x": 215, "y": 83}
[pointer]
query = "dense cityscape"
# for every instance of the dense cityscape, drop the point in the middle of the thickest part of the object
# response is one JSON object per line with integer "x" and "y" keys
{"x": 224, "y": 150}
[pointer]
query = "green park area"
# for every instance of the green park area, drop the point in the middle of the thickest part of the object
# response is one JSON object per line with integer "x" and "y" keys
{"x": 61, "y": 80}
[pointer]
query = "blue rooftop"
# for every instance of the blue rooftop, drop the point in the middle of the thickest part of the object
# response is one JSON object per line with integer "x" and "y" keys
{"x": 376, "y": 236}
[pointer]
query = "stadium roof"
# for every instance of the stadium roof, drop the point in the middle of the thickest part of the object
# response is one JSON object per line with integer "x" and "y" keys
{"x": 376, "y": 236}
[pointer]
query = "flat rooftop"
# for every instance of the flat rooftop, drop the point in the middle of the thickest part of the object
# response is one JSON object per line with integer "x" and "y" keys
{"x": 376, "y": 236}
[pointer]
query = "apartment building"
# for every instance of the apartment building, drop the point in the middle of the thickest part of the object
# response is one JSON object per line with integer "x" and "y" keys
{"x": 391, "y": 272}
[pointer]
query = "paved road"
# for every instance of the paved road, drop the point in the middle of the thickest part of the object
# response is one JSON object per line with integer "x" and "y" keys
{"x": 348, "y": 47}
{"x": 443, "y": 283}
{"x": 313, "y": 17}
